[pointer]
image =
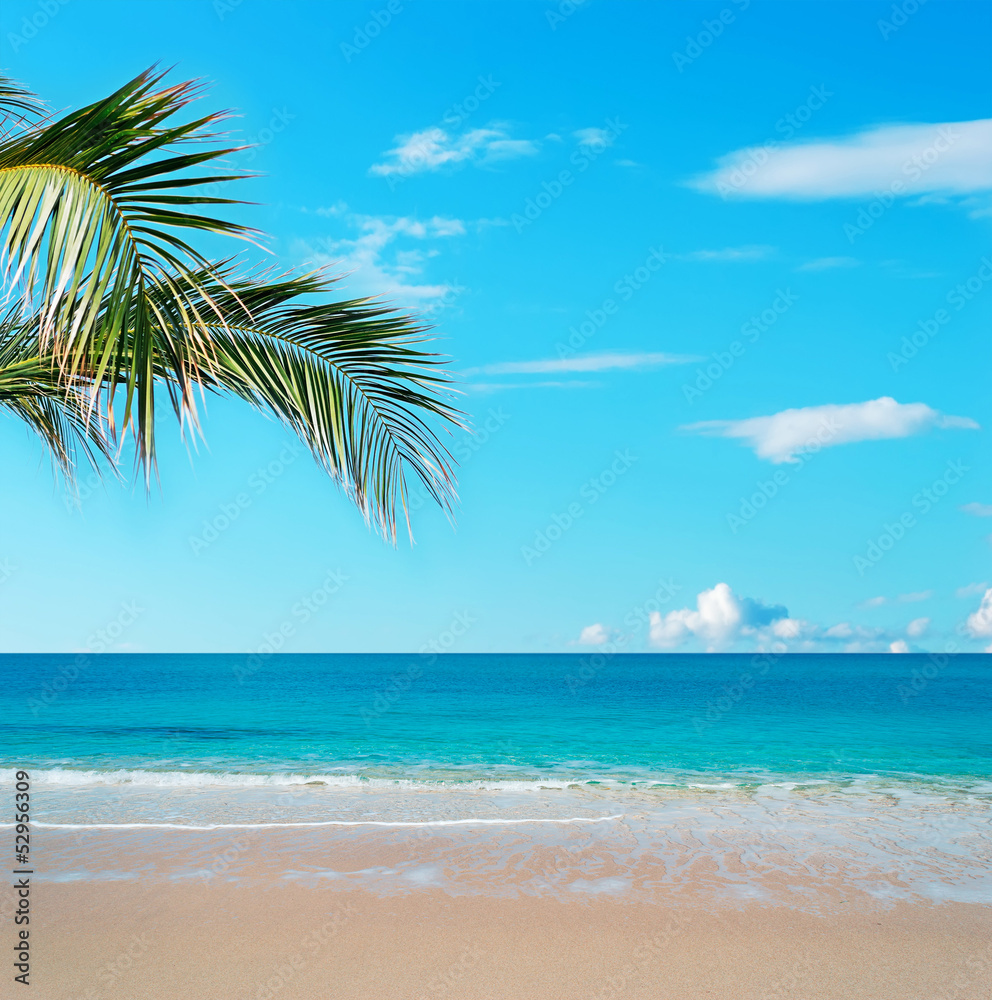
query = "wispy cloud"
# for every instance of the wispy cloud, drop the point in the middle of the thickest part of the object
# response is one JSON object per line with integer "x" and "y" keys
{"x": 915, "y": 598}
{"x": 874, "y": 602}
{"x": 948, "y": 157}
{"x": 728, "y": 254}
{"x": 434, "y": 148}
{"x": 781, "y": 437}
{"x": 978, "y": 509}
{"x": 606, "y": 361}
{"x": 376, "y": 264}
{"x": 598, "y": 138}
{"x": 877, "y": 602}
{"x": 828, "y": 263}
{"x": 502, "y": 386}
{"x": 969, "y": 590}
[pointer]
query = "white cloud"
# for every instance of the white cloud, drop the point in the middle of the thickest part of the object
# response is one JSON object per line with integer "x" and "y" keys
{"x": 979, "y": 624}
{"x": 920, "y": 595}
{"x": 949, "y": 157}
{"x": 375, "y": 266}
{"x": 434, "y": 148}
{"x": 899, "y": 646}
{"x": 874, "y": 602}
{"x": 842, "y": 630}
{"x": 606, "y": 361}
{"x": 828, "y": 263}
{"x": 598, "y": 138}
{"x": 782, "y": 436}
{"x": 717, "y": 620}
{"x": 789, "y": 628}
{"x": 728, "y": 254}
{"x": 502, "y": 386}
{"x": 971, "y": 589}
{"x": 978, "y": 509}
{"x": 917, "y": 627}
{"x": 594, "y": 635}
{"x": 721, "y": 619}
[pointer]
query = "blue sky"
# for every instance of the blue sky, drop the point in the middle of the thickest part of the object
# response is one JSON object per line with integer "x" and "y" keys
{"x": 673, "y": 249}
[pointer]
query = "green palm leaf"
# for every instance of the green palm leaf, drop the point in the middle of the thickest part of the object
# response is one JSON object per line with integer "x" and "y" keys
{"x": 31, "y": 389}
{"x": 93, "y": 230}
{"x": 112, "y": 303}
{"x": 351, "y": 378}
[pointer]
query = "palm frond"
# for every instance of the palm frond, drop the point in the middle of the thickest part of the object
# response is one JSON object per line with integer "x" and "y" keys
{"x": 19, "y": 107}
{"x": 96, "y": 214}
{"x": 350, "y": 378}
{"x": 31, "y": 389}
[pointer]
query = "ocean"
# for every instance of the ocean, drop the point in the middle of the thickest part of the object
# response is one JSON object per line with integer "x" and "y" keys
{"x": 884, "y": 762}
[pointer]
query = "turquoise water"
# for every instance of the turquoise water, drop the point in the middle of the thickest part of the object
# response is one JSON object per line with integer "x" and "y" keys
{"x": 671, "y": 719}
{"x": 781, "y": 776}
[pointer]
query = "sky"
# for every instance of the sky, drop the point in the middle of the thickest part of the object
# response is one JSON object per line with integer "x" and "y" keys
{"x": 717, "y": 282}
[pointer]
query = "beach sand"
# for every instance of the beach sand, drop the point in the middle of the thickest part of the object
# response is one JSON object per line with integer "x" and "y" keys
{"x": 171, "y": 939}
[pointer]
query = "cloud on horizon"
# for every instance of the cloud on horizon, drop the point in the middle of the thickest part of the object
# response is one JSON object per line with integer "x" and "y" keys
{"x": 718, "y": 620}
{"x": 723, "y": 620}
{"x": 782, "y": 437}
{"x": 979, "y": 624}
{"x": 941, "y": 157}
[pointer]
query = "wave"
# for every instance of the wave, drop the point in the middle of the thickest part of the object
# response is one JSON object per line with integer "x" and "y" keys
{"x": 749, "y": 784}
{"x": 237, "y": 779}
{"x": 468, "y": 821}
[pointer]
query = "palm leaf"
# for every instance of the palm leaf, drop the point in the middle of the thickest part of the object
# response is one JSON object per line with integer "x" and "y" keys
{"x": 350, "y": 378}
{"x": 93, "y": 231}
{"x": 31, "y": 389}
{"x": 19, "y": 108}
